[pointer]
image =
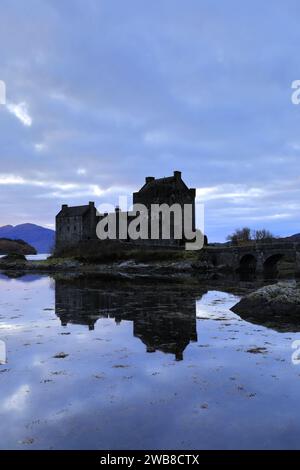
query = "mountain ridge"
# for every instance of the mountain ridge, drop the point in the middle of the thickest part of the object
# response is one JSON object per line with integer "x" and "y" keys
{"x": 296, "y": 237}
{"x": 41, "y": 238}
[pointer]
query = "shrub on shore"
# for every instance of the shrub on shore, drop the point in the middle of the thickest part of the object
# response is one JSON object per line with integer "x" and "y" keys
{"x": 109, "y": 251}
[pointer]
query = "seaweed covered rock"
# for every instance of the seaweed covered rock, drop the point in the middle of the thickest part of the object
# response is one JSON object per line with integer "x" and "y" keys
{"x": 276, "y": 300}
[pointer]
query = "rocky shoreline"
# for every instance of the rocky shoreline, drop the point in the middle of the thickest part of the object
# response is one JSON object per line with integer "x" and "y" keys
{"x": 130, "y": 268}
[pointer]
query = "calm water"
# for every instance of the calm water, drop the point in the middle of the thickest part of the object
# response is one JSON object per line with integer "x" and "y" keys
{"x": 113, "y": 366}
{"x": 38, "y": 257}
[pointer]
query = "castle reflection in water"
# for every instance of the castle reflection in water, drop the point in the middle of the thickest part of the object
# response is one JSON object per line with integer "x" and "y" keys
{"x": 164, "y": 319}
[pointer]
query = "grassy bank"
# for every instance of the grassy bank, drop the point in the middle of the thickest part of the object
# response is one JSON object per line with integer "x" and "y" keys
{"x": 94, "y": 252}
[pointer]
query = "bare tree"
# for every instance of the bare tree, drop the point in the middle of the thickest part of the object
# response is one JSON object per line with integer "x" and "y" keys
{"x": 262, "y": 235}
{"x": 240, "y": 235}
{"x": 245, "y": 234}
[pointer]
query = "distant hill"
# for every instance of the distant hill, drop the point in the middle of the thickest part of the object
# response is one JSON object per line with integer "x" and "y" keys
{"x": 42, "y": 239}
{"x": 295, "y": 237}
{"x": 20, "y": 247}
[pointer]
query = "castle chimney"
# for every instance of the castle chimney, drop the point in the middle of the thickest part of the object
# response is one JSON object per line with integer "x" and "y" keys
{"x": 64, "y": 206}
{"x": 149, "y": 179}
{"x": 177, "y": 175}
{"x": 91, "y": 204}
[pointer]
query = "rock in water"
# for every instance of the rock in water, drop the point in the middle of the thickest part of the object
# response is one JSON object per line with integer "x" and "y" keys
{"x": 281, "y": 299}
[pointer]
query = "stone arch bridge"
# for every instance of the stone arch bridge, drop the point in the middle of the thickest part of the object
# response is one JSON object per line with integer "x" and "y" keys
{"x": 253, "y": 257}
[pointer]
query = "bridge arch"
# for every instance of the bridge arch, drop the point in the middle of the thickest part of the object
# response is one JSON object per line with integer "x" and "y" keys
{"x": 270, "y": 263}
{"x": 247, "y": 263}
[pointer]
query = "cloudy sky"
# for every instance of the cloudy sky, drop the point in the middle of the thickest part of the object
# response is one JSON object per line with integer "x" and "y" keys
{"x": 101, "y": 93}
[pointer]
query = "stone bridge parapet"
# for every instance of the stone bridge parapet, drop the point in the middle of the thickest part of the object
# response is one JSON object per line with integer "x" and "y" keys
{"x": 257, "y": 257}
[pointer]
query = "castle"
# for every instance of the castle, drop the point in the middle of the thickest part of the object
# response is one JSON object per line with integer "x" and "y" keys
{"x": 78, "y": 223}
